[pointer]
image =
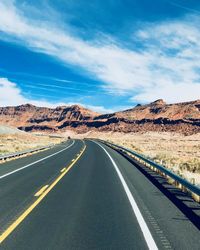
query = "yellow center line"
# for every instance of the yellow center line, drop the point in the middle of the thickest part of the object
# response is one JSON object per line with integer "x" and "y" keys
{"x": 62, "y": 170}
{"x": 12, "y": 227}
{"x": 41, "y": 190}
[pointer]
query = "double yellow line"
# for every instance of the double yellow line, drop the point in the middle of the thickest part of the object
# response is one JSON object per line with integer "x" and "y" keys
{"x": 41, "y": 195}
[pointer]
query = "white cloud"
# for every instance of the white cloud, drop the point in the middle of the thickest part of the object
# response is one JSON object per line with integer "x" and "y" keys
{"x": 98, "y": 109}
{"x": 11, "y": 95}
{"x": 173, "y": 92}
{"x": 169, "y": 62}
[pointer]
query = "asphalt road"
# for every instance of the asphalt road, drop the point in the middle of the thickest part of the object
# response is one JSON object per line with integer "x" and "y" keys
{"x": 85, "y": 195}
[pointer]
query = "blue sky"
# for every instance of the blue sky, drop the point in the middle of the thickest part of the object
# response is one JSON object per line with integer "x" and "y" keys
{"x": 106, "y": 55}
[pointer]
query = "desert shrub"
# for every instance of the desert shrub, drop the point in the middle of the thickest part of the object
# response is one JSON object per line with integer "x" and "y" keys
{"x": 192, "y": 165}
{"x": 3, "y": 152}
{"x": 17, "y": 148}
{"x": 135, "y": 148}
{"x": 185, "y": 166}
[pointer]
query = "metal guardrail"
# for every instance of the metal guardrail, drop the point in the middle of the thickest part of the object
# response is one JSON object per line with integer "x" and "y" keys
{"x": 6, "y": 156}
{"x": 194, "y": 189}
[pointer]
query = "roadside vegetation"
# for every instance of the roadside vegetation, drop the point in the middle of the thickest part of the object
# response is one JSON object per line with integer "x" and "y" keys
{"x": 177, "y": 152}
{"x": 10, "y": 143}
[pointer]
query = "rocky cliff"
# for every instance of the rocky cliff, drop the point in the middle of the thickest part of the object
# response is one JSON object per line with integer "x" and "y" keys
{"x": 156, "y": 116}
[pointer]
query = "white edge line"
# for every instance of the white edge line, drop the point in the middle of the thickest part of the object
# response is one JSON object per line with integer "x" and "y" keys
{"x": 144, "y": 228}
{"x": 26, "y": 166}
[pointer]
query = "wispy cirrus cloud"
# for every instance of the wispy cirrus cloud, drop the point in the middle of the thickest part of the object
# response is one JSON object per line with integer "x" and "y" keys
{"x": 11, "y": 95}
{"x": 166, "y": 67}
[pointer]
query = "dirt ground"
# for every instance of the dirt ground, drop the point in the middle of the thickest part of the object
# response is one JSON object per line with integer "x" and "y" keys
{"x": 10, "y": 143}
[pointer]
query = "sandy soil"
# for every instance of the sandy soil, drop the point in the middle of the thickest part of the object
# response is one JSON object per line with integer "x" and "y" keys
{"x": 10, "y": 143}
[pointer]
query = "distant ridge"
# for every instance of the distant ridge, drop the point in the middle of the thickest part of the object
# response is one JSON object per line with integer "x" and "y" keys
{"x": 156, "y": 116}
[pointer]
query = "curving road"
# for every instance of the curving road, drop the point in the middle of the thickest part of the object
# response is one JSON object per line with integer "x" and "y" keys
{"x": 84, "y": 195}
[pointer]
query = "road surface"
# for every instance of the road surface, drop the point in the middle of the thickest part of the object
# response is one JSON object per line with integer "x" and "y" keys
{"x": 84, "y": 195}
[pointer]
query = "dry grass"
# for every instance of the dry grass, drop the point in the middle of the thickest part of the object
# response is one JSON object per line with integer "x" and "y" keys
{"x": 18, "y": 142}
{"x": 179, "y": 153}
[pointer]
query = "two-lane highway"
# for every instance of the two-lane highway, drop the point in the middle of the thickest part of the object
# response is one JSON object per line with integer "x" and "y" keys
{"x": 88, "y": 197}
{"x": 21, "y": 179}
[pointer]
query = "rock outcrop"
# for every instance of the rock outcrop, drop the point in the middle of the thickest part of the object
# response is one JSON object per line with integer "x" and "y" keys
{"x": 156, "y": 116}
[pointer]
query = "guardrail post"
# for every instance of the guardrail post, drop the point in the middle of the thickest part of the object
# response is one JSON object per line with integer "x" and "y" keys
{"x": 196, "y": 197}
{"x": 180, "y": 186}
{"x": 193, "y": 181}
{"x": 17, "y": 155}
